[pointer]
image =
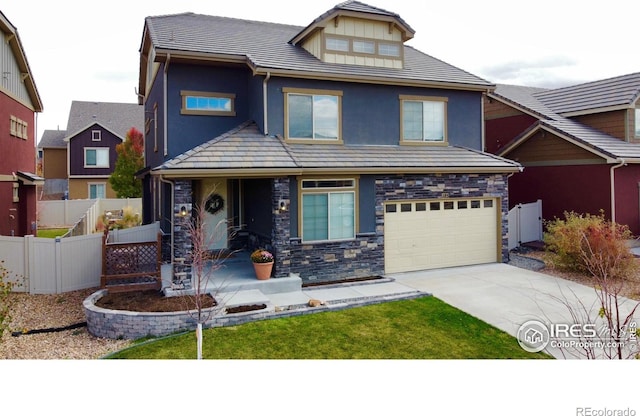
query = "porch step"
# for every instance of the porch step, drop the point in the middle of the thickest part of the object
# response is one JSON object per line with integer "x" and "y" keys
{"x": 267, "y": 287}
{"x": 245, "y": 297}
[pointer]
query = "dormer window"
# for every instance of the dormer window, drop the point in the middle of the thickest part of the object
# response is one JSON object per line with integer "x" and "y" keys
{"x": 389, "y": 49}
{"x": 638, "y": 122}
{"x": 364, "y": 46}
{"x": 340, "y": 45}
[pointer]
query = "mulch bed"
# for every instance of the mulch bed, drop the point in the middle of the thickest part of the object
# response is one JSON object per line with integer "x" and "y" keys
{"x": 152, "y": 301}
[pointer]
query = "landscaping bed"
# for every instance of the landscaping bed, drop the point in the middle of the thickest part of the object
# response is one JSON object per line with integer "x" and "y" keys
{"x": 152, "y": 301}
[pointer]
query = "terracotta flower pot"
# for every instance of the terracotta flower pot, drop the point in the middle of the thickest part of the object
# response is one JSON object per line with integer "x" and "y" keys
{"x": 263, "y": 270}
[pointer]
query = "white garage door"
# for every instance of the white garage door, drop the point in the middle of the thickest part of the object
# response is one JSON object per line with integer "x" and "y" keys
{"x": 430, "y": 234}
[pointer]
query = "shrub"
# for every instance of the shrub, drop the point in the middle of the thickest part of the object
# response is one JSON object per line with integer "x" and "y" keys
{"x": 579, "y": 241}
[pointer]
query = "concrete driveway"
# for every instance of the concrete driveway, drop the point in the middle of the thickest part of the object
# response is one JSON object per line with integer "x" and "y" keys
{"x": 507, "y": 297}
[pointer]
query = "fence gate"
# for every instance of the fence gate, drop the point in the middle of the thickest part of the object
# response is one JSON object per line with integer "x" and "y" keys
{"x": 525, "y": 223}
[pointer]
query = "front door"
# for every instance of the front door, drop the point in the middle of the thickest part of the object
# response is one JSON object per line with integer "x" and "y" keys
{"x": 216, "y": 215}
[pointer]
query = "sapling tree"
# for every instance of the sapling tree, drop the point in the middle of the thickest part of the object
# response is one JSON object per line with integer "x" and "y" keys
{"x": 204, "y": 264}
{"x": 6, "y": 287}
{"x": 130, "y": 160}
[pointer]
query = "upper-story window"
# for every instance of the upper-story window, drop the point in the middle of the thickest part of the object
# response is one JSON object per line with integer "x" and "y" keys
{"x": 208, "y": 103}
{"x": 637, "y": 122}
{"x": 96, "y": 157}
{"x": 312, "y": 114}
{"x": 359, "y": 46}
{"x": 19, "y": 128}
{"x": 424, "y": 119}
{"x": 96, "y": 135}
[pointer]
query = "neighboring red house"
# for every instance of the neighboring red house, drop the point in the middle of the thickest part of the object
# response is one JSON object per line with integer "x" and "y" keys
{"x": 19, "y": 101}
{"x": 579, "y": 145}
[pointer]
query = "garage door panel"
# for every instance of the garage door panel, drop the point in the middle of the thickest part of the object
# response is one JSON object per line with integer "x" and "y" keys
{"x": 435, "y": 238}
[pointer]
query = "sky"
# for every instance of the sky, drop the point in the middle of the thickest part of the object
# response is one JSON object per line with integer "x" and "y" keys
{"x": 89, "y": 51}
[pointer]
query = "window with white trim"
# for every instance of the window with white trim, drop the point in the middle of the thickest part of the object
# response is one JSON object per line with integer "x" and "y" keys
{"x": 96, "y": 157}
{"x": 97, "y": 190}
{"x": 313, "y": 116}
{"x": 96, "y": 135}
{"x": 423, "y": 119}
{"x": 328, "y": 209}
{"x": 637, "y": 122}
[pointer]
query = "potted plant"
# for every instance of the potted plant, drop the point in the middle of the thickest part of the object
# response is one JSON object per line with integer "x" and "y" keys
{"x": 262, "y": 263}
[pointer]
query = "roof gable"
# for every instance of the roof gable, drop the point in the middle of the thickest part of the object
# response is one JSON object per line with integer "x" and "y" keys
{"x": 355, "y": 9}
{"x": 12, "y": 38}
{"x": 118, "y": 118}
{"x": 53, "y": 139}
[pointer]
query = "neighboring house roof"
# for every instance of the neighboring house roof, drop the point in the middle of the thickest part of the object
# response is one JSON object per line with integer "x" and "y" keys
{"x": 604, "y": 95}
{"x": 553, "y": 107}
{"x": 115, "y": 117}
{"x": 265, "y": 48}
{"x": 53, "y": 139}
{"x": 13, "y": 39}
{"x": 245, "y": 149}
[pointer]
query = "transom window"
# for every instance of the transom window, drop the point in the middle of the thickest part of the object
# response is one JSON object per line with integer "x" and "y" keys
{"x": 423, "y": 119}
{"x": 328, "y": 209}
{"x": 314, "y": 116}
{"x": 208, "y": 103}
{"x": 96, "y": 157}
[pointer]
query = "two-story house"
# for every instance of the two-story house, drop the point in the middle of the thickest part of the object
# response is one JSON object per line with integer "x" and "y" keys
{"x": 85, "y": 153}
{"x": 336, "y": 145}
{"x": 19, "y": 103}
{"x": 579, "y": 145}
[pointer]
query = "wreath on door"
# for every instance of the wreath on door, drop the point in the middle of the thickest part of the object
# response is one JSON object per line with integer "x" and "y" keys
{"x": 214, "y": 204}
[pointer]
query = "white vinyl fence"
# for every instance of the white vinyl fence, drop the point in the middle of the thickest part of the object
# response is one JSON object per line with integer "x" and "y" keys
{"x": 525, "y": 224}
{"x": 61, "y": 214}
{"x": 48, "y": 266}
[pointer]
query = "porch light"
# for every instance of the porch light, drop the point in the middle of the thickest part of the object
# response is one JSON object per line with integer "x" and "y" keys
{"x": 283, "y": 206}
{"x": 183, "y": 211}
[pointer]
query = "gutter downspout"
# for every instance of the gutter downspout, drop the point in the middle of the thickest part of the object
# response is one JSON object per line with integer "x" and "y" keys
{"x": 165, "y": 111}
{"x": 612, "y": 175}
{"x": 264, "y": 104}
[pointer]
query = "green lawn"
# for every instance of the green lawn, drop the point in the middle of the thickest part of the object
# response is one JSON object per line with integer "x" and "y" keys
{"x": 424, "y": 328}
{"x": 52, "y": 233}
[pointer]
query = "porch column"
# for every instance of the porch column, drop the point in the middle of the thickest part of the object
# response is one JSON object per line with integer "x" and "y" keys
{"x": 281, "y": 227}
{"x": 183, "y": 199}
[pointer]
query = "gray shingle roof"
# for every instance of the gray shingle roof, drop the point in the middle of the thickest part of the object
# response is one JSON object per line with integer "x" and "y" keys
{"x": 246, "y": 148}
{"x": 53, "y": 139}
{"x": 265, "y": 45}
{"x": 612, "y": 92}
{"x": 117, "y": 117}
{"x": 550, "y": 105}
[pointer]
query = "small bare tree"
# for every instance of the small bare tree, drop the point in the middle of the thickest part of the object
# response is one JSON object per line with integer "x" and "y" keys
{"x": 204, "y": 264}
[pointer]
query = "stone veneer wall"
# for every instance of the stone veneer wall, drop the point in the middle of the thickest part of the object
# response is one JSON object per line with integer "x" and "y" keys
{"x": 364, "y": 256}
{"x": 183, "y": 195}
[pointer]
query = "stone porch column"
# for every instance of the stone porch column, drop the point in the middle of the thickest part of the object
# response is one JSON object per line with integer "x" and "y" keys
{"x": 183, "y": 197}
{"x": 281, "y": 227}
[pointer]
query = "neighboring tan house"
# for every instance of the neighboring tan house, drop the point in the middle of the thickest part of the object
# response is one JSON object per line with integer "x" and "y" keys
{"x": 88, "y": 146}
{"x": 19, "y": 101}
{"x": 579, "y": 145}
{"x": 335, "y": 145}
{"x": 53, "y": 158}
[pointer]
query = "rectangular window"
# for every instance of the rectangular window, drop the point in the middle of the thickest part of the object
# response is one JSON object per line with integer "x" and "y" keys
{"x": 96, "y": 135}
{"x": 364, "y": 46}
{"x": 96, "y": 157}
{"x": 423, "y": 120}
{"x": 389, "y": 49}
{"x": 208, "y": 103}
{"x": 14, "y": 126}
{"x": 328, "y": 215}
{"x": 313, "y": 116}
{"x": 637, "y": 122}
{"x": 97, "y": 190}
{"x": 335, "y": 44}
